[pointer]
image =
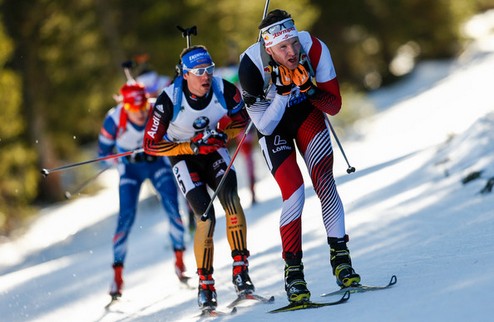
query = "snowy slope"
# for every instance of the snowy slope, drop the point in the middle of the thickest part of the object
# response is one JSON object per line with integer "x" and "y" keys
{"x": 408, "y": 214}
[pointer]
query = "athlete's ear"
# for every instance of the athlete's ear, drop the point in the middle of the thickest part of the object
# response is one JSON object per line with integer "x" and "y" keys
{"x": 269, "y": 51}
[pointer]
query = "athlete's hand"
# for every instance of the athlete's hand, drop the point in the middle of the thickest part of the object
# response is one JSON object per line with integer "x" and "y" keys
{"x": 210, "y": 137}
{"x": 208, "y": 142}
{"x": 218, "y": 137}
{"x": 301, "y": 78}
{"x": 281, "y": 78}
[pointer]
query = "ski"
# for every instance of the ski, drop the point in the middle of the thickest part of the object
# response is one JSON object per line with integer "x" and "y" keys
{"x": 114, "y": 299}
{"x": 250, "y": 297}
{"x": 184, "y": 282}
{"x": 360, "y": 288}
{"x": 310, "y": 304}
{"x": 213, "y": 312}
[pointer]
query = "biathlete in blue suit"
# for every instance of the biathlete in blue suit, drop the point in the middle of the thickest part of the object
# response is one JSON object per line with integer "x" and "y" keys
{"x": 122, "y": 131}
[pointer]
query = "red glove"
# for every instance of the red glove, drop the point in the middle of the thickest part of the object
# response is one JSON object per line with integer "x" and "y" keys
{"x": 208, "y": 142}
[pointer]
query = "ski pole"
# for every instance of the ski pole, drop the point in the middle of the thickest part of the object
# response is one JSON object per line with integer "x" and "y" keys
{"x": 69, "y": 194}
{"x": 350, "y": 169}
{"x": 46, "y": 172}
{"x": 205, "y": 215}
{"x": 264, "y": 13}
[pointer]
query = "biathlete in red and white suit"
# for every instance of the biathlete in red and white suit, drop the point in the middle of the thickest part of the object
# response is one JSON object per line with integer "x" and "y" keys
{"x": 288, "y": 109}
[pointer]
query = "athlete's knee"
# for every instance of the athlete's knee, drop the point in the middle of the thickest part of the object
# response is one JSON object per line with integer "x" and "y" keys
{"x": 207, "y": 226}
{"x": 229, "y": 198}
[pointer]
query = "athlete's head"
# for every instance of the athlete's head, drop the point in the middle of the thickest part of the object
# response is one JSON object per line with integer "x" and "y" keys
{"x": 135, "y": 102}
{"x": 280, "y": 38}
{"x": 197, "y": 68}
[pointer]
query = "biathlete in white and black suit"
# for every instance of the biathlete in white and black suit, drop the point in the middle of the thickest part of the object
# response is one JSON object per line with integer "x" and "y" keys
{"x": 191, "y": 122}
{"x": 288, "y": 109}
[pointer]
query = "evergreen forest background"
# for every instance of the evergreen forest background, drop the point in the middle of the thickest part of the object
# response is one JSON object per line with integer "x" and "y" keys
{"x": 60, "y": 64}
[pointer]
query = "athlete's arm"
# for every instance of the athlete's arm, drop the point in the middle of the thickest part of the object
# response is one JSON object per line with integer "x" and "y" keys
{"x": 107, "y": 135}
{"x": 157, "y": 125}
{"x": 265, "y": 114}
{"x": 327, "y": 97}
{"x": 237, "y": 118}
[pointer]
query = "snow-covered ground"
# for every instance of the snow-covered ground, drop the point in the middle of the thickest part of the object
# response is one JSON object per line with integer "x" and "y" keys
{"x": 408, "y": 214}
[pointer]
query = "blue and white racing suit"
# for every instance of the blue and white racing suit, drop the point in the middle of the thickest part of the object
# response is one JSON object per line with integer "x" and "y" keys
{"x": 133, "y": 172}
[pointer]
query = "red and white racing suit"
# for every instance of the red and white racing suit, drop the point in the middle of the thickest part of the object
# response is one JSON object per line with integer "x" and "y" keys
{"x": 296, "y": 120}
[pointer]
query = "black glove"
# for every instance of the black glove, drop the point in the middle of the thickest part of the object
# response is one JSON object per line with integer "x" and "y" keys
{"x": 281, "y": 78}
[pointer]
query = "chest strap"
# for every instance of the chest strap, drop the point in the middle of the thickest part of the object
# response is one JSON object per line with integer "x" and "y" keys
{"x": 177, "y": 95}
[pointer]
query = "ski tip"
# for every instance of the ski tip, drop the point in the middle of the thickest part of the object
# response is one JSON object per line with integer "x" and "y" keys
{"x": 184, "y": 279}
{"x": 214, "y": 312}
{"x": 393, "y": 280}
{"x": 346, "y": 296}
{"x": 184, "y": 283}
{"x": 113, "y": 300}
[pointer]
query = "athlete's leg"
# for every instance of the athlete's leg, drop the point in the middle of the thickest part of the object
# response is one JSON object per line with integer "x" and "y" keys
{"x": 236, "y": 226}
{"x": 129, "y": 189}
{"x": 195, "y": 191}
{"x": 164, "y": 182}
{"x": 280, "y": 156}
{"x": 314, "y": 143}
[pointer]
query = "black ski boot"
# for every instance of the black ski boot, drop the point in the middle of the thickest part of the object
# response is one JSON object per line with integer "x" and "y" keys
{"x": 206, "y": 297}
{"x": 295, "y": 285}
{"x": 240, "y": 273}
{"x": 342, "y": 263}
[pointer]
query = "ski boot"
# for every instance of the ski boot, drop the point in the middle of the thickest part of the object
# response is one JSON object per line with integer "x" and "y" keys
{"x": 295, "y": 285}
{"x": 240, "y": 273}
{"x": 206, "y": 297}
{"x": 117, "y": 283}
{"x": 180, "y": 266}
{"x": 342, "y": 263}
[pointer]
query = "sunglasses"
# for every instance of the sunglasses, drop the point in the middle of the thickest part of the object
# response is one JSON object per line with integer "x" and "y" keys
{"x": 201, "y": 70}
{"x": 279, "y": 27}
{"x": 136, "y": 108}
